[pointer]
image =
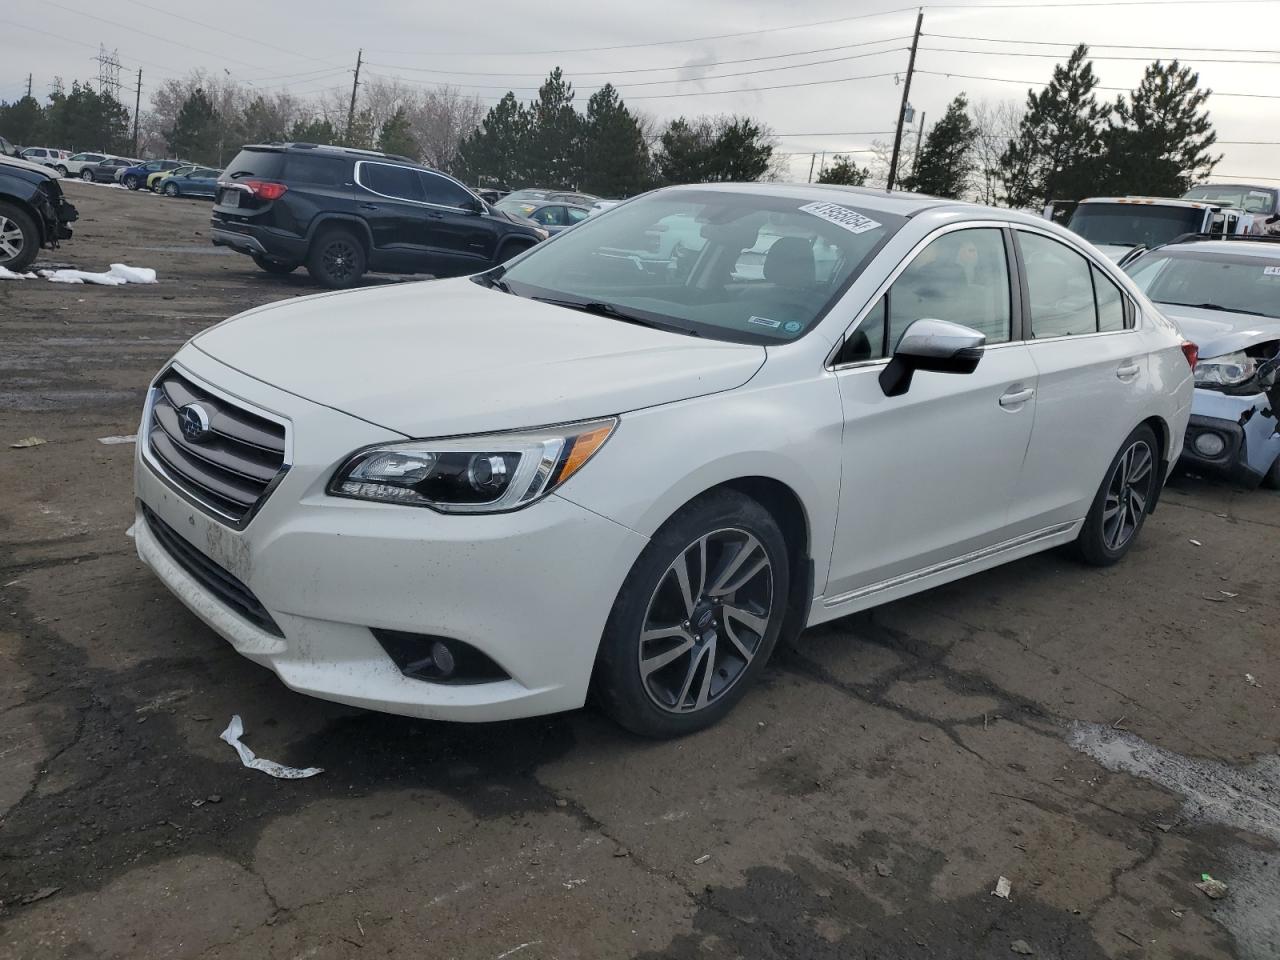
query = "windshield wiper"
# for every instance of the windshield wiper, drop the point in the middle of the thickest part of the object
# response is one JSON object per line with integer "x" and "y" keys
{"x": 493, "y": 279}
{"x": 1216, "y": 306}
{"x": 602, "y": 309}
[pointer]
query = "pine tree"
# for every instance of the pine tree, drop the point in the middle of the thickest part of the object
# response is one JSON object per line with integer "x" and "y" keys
{"x": 1161, "y": 142}
{"x": 554, "y": 145}
{"x": 615, "y": 155}
{"x": 85, "y": 119}
{"x": 23, "y": 120}
{"x": 397, "y": 136}
{"x": 196, "y": 133}
{"x": 314, "y": 130}
{"x": 945, "y": 162}
{"x": 495, "y": 153}
{"x": 714, "y": 149}
{"x": 844, "y": 171}
{"x": 261, "y": 123}
{"x": 1058, "y": 152}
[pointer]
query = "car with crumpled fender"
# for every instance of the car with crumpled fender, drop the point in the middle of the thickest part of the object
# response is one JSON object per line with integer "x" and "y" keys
{"x": 1225, "y": 296}
{"x": 33, "y": 212}
{"x": 578, "y": 473}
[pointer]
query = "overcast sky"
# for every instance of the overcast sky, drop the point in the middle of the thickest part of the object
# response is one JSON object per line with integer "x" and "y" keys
{"x": 312, "y": 46}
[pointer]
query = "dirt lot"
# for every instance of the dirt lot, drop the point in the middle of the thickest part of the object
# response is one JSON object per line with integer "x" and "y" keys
{"x": 1099, "y": 738}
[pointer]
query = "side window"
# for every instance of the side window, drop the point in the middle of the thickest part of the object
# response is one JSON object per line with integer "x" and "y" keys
{"x": 442, "y": 191}
{"x": 1110, "y": 302}
{"x": 403, "y": 183}
{"x": 1059, "y": 286}
{"x": 576, "y": 215}
{"x": 962, "y": 277}
{"x": 322, "y": 171}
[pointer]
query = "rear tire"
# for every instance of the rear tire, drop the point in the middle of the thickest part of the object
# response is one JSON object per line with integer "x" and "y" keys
{"x": 1122, "y": 502}
{"x": 62, "y": 171}
{"x": 19, "y": 238}
{"x": 86, "y": 175}
{"x": 336, "y": 259}
{"x": 278, "y": 267}
{"x": 711, "y": 628}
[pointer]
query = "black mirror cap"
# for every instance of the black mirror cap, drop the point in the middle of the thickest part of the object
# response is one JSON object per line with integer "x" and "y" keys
{"x": 473, "y": 205}
{"x": 936, "y": 346}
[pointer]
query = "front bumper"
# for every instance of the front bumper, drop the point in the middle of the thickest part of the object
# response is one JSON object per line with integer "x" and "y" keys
{"x": 1248, "y": 429}
{"x": 530, "y": 589}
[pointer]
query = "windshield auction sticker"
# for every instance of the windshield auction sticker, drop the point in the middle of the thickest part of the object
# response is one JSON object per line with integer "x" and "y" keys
{"x": 1271, "y": 271}
{"x": 851, "y": 220}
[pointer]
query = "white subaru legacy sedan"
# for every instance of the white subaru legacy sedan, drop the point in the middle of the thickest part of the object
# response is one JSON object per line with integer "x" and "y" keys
{"x": 629, "y": 460}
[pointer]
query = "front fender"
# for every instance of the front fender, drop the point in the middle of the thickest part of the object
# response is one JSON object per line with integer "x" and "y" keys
{"x": 662, "y": 457}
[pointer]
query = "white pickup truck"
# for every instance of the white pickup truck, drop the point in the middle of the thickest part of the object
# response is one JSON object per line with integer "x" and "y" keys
{"x": 1122, "y": 227}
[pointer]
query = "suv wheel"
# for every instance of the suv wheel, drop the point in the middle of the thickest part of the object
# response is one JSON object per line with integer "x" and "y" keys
{"x": 86, "y": 174}
{"x": 62, "y": 171}
{"x": 336, "y": 259}
{"x": 696, "y": 619}
{"x": 19, "y": 238}
{"x": 274, "y": 266}
{"x": 1122, "y": 502}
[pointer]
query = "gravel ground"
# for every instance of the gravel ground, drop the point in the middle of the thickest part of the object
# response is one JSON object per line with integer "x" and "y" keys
{"x": 1099, "y": 738}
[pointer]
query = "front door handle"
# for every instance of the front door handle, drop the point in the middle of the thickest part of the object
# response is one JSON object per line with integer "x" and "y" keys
{"x": 1016, "y": 398}
{"x": 368, "y": 206}
{"x": 1128, "y": 371}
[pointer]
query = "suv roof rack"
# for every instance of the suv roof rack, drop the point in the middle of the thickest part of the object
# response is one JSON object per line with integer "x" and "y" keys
{"x": 1234, "y": 237}
{"x": 302, "y": 145}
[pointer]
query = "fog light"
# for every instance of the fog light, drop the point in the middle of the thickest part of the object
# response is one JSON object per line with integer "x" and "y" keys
{"x": 438, "y": 659}
{"x": 1209, "y": 444}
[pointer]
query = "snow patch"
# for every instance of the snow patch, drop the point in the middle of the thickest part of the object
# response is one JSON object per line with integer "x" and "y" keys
{"x": 118, "y": 274}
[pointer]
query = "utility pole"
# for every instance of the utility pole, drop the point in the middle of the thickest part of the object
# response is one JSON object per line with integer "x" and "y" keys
{"x": 915, "y": 161}
{"x": 902, "y": 110}
{"x": 137, "y": 103}
{"x": 813, "y": 158}
{"x": 28, "y": 86}
{"x": 351, "y": 113}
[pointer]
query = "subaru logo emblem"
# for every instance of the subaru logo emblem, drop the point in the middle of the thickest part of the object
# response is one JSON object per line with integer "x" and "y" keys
{"x": 194, "y": 421}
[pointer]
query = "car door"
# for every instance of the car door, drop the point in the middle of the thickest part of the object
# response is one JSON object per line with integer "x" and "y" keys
{"x": 389, "y": 198}
{"x": 459, "y": 231}
{"x": 927, "y": 476}
{"x": 204, "y": 181}
{"x": 1093, "y": 371}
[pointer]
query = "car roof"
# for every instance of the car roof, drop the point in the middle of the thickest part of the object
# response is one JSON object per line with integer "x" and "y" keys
{"x": 1227, "y": 183}
{"x": 1152, "y": 202}
{"x": 1262, "y": 249}
{"x": 329, "y": 149}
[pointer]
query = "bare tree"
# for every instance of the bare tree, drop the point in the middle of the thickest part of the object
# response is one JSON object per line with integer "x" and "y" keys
{"x": 440, "y": 118}
{"x": 882, "y": 156}
{"x": 996, "y": 123}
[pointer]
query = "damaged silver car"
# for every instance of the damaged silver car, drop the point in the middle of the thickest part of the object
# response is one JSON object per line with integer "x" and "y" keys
{"x": 1225, "y": 296}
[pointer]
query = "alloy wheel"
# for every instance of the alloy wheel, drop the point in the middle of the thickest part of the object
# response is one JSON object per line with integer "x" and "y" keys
{"x": 12, "y": 242}
{"x": 339, "y": 260}
{"x": 86, "y": 174}
{"x": 1127, "y": 494}
{"x": 706, "y": 620}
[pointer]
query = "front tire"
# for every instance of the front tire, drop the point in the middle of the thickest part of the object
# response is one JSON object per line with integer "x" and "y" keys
{"x": 131, "y": 182}
{"x": 336, "y": 259}
{"x": 1122, "y": 502}
{"x": 697, "y": 618}
{"x": 1271, "y": 479}
{"x": 62, "y": 171}
{"x": 19, "y": 238}
{"x": 274, "y": 266}
{"x": 170, "y": 190}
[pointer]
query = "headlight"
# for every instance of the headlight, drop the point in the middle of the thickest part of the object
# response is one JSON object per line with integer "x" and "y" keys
{"x": 484, "y": 474}
{"x": 1228, "y": 370}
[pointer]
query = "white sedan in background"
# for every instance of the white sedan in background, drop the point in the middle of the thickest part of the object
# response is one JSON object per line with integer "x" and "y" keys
{"x": 482, "y": 498}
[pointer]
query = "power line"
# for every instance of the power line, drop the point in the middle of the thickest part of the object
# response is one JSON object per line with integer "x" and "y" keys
{"x": 1041, "y": 83}
{"x": 1098, "y": 46}
{"x": 611, "y": 73}
{"x": 1058, "y": 56}
{"x": 846, "y": 133}
{"x": 656, "y": 43}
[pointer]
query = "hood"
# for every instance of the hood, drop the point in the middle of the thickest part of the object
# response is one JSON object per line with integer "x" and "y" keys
{"x": 1113, "y": 251}
{"x": 28, "y": 166}
{"x": 449, "y": 357}
{"x": 1217, "y": 332}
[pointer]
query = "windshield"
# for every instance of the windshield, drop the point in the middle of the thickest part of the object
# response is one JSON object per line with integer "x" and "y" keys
{"x": 1238, "y": 283}
{"x": 520, "y": 208}
{"x": 1131, "y": 224}
{"x": 1248, "y": 199}
{"x": 733, "y": 266}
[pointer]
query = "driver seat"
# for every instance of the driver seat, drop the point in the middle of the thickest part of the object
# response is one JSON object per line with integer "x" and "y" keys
{"x": 790, "y": 263}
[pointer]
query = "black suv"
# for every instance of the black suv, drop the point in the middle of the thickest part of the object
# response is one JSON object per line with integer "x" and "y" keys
{"x": 33, "y": 212}
{"x": 343, "y": 211}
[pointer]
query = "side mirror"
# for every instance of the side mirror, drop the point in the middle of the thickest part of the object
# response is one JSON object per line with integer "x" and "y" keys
{"x": 473, "y": 205}
{"x": 934, "y": 345}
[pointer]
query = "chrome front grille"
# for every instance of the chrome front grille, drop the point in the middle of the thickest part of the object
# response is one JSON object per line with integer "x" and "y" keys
{"x": 224, "y": 457}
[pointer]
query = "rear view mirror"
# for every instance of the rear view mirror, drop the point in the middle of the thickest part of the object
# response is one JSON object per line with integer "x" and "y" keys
{"x": 937, "y": 346}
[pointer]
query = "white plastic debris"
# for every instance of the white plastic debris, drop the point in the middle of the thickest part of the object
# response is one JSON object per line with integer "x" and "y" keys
{"x": 118, "y": 275}
{"x": 702, "y": 859}
{"x": 132, "y": 438}
{"x": 28, "y": 442}
{"x": 6, "y": 274}
{"x": 1003, "y": 888}
{"x": 232, "y": 735}
{"x": 1195, "y": 543}
{"x": 129, "y": 533}
{"x": 1250, "y": 679}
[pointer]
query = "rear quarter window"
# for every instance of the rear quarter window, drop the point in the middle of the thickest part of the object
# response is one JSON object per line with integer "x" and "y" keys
{"x": 322, "y": 171}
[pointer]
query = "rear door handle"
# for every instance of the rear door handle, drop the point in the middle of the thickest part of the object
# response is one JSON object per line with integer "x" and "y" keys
{"x": 368, "y": 206}
{"x": 1128, "y": 371}
{"x": 1015, "y": 398}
